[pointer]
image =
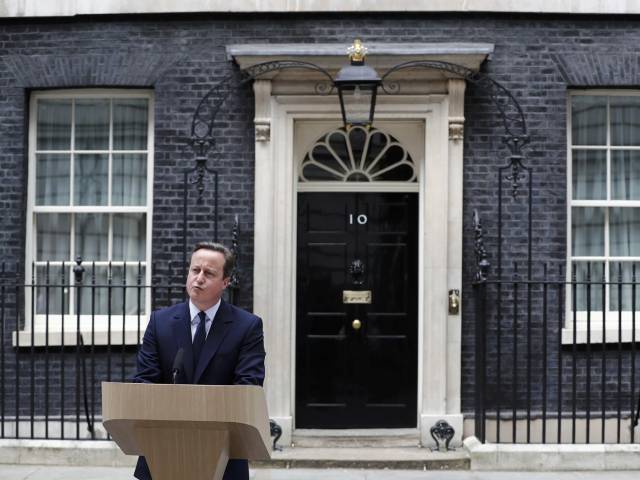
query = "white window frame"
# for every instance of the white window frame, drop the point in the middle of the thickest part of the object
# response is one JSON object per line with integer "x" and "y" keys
{"x": 591, "y": 328}
{"x": 132, "y": 326}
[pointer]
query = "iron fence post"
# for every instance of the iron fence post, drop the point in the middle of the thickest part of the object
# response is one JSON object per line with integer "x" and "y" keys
{"x": 480, "y": 354}
{"x": 480, "y": 290}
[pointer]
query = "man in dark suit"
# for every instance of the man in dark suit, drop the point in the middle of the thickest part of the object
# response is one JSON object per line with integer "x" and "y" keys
{"x": 226, "y": 349}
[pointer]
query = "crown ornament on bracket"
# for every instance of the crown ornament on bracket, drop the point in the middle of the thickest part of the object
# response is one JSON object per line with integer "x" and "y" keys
{"x": 357, "y": 52}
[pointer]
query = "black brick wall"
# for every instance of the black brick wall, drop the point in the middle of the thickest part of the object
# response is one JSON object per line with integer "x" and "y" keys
{"x": 180, "y": 57}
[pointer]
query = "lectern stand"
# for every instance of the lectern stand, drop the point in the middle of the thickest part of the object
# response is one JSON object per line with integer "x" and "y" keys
{"x": 187, "y": 431}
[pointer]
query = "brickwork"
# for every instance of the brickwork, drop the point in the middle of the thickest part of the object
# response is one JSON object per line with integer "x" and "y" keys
{"x": 536, "y": 57}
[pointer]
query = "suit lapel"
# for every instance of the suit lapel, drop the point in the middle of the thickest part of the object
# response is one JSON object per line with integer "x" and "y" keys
{"x": 220, "y": 328}
{"x": 182, "y": 334}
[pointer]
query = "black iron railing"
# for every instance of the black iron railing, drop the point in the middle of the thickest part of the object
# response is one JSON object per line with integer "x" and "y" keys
{"x": 67, "y": 329}
{"x": 551, "y": 367}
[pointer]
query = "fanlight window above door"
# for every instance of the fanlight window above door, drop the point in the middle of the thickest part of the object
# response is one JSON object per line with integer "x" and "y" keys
{"x": 357, "y": 155}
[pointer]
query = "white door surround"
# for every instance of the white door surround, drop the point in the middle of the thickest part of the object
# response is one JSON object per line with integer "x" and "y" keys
{"x": 440, "y": 108}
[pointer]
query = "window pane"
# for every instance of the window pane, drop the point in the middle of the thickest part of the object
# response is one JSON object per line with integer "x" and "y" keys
{"x": 130, "y": 124}
{"x": 95, "y": 293}
{"x": 625, "y": 175}
{"x": 619, "y": 273}
{"x": 129, "y": 179}
{"x": 54, "y": 125}
{"x": 129, "y": 237}
{"x": 53, "y": 293}
{"x": 588, "y": 120}
{"x": 92, "y": 233}
{"x": 127, "y": 302}
{"x": 625, "y": 120}
{"x": 90, "y": 180}
{"x": 587, "y": 232}
{"x": 52, "y": 179}
{"x": 53, "y": 233}
{"x": 92, "y": 124}
{"x": 589, "y": 295}
{"x": 589, "y": 171}
{"x": 624, "y": 227}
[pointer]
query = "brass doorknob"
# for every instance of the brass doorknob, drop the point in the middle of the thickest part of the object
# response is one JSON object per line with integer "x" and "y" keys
{"x": 356, "y": 324}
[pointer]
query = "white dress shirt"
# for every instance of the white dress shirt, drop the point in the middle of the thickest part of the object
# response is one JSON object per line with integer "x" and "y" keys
{"x": 195, "y": 319}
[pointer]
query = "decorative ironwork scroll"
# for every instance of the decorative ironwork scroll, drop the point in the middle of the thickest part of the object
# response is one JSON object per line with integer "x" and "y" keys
{"x": 202, "y": 138}
{"x": 482, "y": 263}
{"x": 513, "y": 120}
{"x": 442, "y": 432}
{"x": 276, "y": 432}
{"x": 234, "y": 283}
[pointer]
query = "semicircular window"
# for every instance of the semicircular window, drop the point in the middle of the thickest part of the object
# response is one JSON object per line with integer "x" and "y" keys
{"x": 357, "y": 155}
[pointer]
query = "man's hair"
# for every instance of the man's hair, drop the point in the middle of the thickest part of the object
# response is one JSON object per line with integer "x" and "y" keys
{"x": 229, "y": 259}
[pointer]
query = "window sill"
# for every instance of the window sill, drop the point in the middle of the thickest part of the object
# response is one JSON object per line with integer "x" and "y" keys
{"x": 37, "y": 338}
{"x": 595, "y": 336}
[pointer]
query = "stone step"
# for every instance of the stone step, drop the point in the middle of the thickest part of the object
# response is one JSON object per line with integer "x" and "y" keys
{"x": 106, "y": 453}
{"x": 404, "y": 458}
{"x": 407, "y": 437}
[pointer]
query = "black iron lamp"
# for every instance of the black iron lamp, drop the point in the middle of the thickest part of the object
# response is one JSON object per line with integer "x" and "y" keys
{"x": 357, "y": 86}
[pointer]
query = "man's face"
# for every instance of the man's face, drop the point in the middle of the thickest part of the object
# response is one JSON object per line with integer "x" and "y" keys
{"x": 206, "y": 282}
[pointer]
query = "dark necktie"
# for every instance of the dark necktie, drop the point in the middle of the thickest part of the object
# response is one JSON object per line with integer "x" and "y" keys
{"x": 200, "y": 337}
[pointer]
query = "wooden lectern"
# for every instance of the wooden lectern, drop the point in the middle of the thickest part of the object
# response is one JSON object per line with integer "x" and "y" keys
{"x": 187, "y": 431}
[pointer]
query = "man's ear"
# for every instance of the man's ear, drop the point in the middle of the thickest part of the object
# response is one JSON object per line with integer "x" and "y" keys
{"x": 225, "y": 281}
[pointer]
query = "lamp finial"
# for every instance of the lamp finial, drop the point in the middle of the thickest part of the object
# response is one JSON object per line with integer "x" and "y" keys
{"x": 357, "y": 52}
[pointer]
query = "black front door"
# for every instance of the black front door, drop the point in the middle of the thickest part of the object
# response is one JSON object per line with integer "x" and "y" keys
{"x": 357, "y": 310}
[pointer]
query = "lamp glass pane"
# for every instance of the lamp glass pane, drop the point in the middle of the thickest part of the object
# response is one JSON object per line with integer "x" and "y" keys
{"x": 357, "y": 104}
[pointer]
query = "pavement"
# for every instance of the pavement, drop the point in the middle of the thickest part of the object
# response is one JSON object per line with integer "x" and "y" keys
{"x": 35, "y": 472}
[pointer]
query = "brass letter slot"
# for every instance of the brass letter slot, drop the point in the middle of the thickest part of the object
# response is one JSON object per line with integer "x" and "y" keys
{"x": 356, "y": 296}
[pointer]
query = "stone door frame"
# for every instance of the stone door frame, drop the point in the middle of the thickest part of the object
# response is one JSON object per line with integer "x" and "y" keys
{"x": 440, "y": 243}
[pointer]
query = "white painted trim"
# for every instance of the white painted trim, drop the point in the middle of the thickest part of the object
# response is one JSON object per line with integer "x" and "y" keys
{"x": 381, "y": 56}
{"x": 605, "y": 203}
{"x": 253, "y": 50}
{"x": 595, "y": 331}
{"x": 100, "y": 335}
{"x": 358, "y": 187}
{"x": 275, "y": 247}
{"x": 38, "y": 8}
{"x": 86, "y": 209}
{"x": 131, "y": 336}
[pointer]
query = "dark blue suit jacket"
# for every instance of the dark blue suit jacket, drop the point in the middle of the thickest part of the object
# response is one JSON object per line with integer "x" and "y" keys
{"x": 232, "y": 355}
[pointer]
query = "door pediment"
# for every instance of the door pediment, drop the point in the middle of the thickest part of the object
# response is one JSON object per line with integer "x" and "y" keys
{"x": 381, "y": 56}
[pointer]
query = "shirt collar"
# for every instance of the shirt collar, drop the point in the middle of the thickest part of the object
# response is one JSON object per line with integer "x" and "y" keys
{"x": 210, "y": 312}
